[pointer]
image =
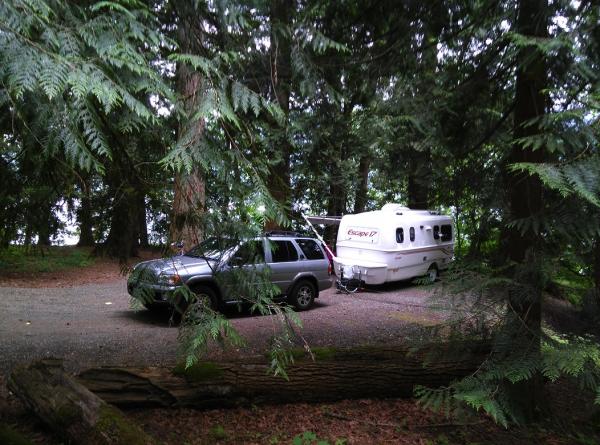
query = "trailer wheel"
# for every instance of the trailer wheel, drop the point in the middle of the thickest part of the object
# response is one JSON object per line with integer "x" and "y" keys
{"x": 432, "y": 274}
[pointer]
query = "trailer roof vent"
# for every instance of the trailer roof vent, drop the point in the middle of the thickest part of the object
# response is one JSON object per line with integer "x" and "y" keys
{"x": 391, "y": 207}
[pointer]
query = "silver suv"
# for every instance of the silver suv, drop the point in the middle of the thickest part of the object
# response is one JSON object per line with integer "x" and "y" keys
{"x": 298, "y": 267}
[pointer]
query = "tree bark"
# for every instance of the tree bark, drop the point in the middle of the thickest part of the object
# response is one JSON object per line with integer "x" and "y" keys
{"x": 70, "y": 409}
{"x": 525, "y": 202}
{"x": 419, "y": 177}
{"x": 360, "y": 200}
{"x": 335, "y": 374}
{"x": 143, "y": 224}
{"x": 122, "y": 237}
{"x": 84, "y": 217}
{"x": 419, "y": 165}
{"x": 28, "y": 236}
{"x": 597, "y": 270}
{"x": 278, "y": 181}
{"x": 190, "y": 186}
{"x": 336, "y": 201}
{"x": 188, "y": 207}
{"x": 46, "y": 228}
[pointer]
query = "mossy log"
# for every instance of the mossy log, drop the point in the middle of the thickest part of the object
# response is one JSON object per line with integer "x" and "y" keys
{"x": 335, "y": 374}
{"x": 70, "y": 409}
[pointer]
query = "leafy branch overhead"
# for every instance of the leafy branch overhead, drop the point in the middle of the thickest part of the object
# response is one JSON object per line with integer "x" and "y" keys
{"x": 580, "y": 178}
{"x": 78, "y": 61}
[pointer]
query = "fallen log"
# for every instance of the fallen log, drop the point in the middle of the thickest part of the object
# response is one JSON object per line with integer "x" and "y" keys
{"x": 335, "y": 374}
{"x": 70, "y": 409}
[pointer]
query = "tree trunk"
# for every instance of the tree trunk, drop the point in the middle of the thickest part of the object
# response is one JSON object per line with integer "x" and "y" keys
{"x": 188, "y": 207}
{"x": 419, "y": 166}
{"x": 278, "y": 181}
{"x": 84, "y": 217}
{"x": 458, "y": 232}
{"x": 122, "y": 237}
{"x": 335, "y": 374}
{"x": 28, "y": 236}
{"x": 419, "y": 177}
{"x": 525, "y": 198}
{"x": 360, "y": 200}
{"x": 143, "y": 224}
{"x": 336, "y": 201}
{"x": 70, "y": 409}
{"x": 597, "y": 270}
{"x": 46, "y": 228}
{"x": 190, "y": 186}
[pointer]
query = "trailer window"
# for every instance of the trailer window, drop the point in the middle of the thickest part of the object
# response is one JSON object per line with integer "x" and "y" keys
{"x": 283, "y": 251}
{"x": 399, "y": 235}
{"x": 311, "y": 249}
{"x": 446, "y": 232}
{"x": 412, "y": 233}
{"x": 436, "y": 232}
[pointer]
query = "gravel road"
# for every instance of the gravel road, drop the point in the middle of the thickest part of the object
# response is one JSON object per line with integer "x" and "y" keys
{"x": 91, "y": 325}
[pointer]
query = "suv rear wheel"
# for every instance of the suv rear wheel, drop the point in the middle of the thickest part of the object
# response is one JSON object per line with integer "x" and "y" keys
{"x": 303, "y": 295}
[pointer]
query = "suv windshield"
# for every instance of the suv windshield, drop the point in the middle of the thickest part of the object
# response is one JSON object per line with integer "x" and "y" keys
{"x": 212, "y": 248}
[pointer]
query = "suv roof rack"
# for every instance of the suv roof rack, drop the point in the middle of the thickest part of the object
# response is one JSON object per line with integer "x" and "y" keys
{"x": 281, "y": 233}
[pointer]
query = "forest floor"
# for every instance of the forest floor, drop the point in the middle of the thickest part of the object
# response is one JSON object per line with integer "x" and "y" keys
{"x": 82, "y": 314}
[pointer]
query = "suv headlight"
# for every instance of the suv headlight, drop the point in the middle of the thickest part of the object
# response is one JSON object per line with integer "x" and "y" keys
{"x": 170, "y": 279}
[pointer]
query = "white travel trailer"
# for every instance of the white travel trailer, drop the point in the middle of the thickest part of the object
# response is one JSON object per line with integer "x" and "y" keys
{"x": 391, "y": 244}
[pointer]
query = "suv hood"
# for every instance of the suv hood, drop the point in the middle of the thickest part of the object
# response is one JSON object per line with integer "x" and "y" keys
{"x": 180, "y": 264}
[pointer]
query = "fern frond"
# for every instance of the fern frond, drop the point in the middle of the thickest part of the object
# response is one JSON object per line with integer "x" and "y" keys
{"x": 581, "y": 178}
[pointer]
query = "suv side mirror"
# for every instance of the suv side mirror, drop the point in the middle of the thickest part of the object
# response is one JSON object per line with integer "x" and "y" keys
{"x": 178, "y": 247}
{"x": 236, "y": 260}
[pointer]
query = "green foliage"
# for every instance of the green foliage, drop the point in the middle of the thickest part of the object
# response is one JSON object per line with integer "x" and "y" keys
{"x": 579, "y": 178}
{"x": 201, "y": 325}
{"x": 23, "y": 260}
{"x": 572, "y": 284}
{"x": 111, "y": 421}
{"x": 8, "y": 436}
{"x": 486, "y": 389}
{"x": 76, "y": 61}
{"x": 481, "y": 302}
{"x": 310, "y": 438}
{"x": 571, "y": 356}
{"x": 218, "y": 432}
{"x": 198, "y": 372}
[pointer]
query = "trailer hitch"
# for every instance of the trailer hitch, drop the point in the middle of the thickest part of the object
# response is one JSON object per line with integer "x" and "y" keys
{"x": 349, "y": 285}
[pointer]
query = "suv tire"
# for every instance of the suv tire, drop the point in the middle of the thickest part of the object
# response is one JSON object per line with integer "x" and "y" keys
{"x": 200, "y": 292}
{"x": 152, "y": 307}
{"x": 303, "y": 295}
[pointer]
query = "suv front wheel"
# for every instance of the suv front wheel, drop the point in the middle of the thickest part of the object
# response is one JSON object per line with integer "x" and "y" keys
{"x": 203, "y": 297}
{"x": 303, "y": 295}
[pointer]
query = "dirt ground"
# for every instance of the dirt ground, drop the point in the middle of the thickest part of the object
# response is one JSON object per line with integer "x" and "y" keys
{"x": 84, "y": 316}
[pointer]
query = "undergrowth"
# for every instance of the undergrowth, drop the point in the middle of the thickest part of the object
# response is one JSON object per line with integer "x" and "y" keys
{"x": 26, "y": 260}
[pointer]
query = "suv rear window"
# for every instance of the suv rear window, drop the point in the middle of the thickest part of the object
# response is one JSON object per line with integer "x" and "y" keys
{"x": 283, "y": 251}
{"x": 311, "y": 249}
